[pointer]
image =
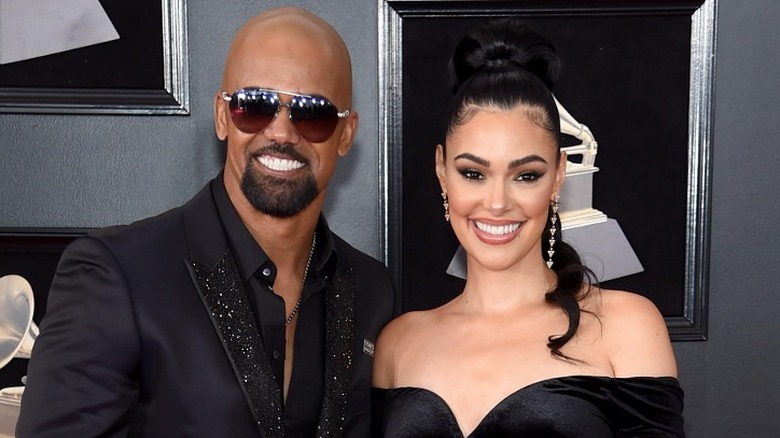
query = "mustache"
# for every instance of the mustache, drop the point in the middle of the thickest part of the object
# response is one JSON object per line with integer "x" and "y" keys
{"x": 282, "y": 149}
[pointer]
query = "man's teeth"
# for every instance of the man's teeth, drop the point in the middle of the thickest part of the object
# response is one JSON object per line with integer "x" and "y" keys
{"x": 498, "y": 230}
{"x": 279, "y": 164}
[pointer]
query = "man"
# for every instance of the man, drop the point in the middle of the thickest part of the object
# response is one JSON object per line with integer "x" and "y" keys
{"x": 238, "y": 314}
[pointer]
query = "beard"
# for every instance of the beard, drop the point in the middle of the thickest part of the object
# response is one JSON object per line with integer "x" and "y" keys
{"x": 278, "y": 197}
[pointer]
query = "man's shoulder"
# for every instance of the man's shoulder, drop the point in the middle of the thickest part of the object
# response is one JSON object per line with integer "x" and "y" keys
{"x": 161, "y": 226}
{"x": 366, "y": 267}
{"x": 350, "y": 255}
{"x": 375, "y": 287}
{"x": 158, "y": 229}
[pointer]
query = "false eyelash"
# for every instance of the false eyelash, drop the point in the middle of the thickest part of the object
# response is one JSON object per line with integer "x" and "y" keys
{"x": 471, "y": 174}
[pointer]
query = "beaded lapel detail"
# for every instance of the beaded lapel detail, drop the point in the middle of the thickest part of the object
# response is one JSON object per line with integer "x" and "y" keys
{"x": 224, "y": 296}
{"x": 339, "y": 341}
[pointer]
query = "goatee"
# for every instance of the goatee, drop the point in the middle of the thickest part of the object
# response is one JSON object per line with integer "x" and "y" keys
{"x": 278, "y": 197}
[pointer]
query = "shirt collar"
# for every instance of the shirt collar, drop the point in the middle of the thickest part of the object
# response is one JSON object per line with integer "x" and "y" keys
{"x": 246, "y": 251}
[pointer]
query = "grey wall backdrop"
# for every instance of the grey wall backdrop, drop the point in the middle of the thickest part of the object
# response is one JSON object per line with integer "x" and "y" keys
{"x": 90, "y": 171}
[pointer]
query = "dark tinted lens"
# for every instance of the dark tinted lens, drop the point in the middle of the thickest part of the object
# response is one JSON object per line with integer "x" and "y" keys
{"x": 253, "y": 110}
{"x": 314, "y": 117}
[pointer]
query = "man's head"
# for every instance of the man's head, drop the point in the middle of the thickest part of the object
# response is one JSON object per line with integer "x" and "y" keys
{"x": 280, "y": 167}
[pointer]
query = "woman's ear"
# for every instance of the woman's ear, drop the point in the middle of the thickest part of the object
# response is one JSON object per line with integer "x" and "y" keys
{"x": 440, "y": 169}
{"x": 560, "y": 174}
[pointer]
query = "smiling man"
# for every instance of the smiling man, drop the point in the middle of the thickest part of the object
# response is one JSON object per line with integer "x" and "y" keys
{"x": 239, "y": 313}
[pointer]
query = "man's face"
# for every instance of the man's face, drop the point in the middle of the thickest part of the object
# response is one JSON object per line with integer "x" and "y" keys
{"x": 276, "y": 170}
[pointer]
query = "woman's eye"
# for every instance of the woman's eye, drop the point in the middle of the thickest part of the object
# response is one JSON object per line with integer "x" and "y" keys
{"x": 471, "y": 174}
{"x": 528, "y": 176}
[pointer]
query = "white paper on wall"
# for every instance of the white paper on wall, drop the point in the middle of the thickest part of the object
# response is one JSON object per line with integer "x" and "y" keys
{"x": 34, "y": 28}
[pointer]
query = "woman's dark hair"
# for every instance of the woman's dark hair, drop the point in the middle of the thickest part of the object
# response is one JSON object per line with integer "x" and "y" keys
{"x": 506, "y": 65}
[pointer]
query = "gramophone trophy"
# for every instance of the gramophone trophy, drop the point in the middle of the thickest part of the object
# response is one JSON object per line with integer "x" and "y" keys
{"x": 17, "y": 335}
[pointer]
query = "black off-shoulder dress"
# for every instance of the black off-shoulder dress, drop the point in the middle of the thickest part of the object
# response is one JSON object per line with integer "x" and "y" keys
{"x": 571, "y": 407}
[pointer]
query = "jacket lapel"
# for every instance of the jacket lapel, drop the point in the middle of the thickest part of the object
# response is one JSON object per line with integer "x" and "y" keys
{"x": 216, "y": 277}
{"x": 223, "y": 295}
{"x": 339, "y": 339}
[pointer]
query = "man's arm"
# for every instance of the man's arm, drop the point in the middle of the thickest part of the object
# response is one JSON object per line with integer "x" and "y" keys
{"x": 81, "y": 379}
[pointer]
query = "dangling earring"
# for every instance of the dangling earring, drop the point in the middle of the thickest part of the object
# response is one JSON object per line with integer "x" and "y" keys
{"x": 446, "y": 206}
{"x": 553, "y": 229}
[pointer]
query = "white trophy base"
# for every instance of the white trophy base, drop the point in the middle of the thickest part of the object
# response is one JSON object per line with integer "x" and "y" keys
{"x": 10, "y": 402}
{"x": 604, "y": 249}
{"x": 581, "y": 218}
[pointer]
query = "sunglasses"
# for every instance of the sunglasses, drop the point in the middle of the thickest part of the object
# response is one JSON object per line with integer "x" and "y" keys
{"x": 314, "y": 117}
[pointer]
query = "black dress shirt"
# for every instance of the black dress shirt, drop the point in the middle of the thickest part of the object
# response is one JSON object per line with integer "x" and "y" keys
{"x": 305, "y": 394}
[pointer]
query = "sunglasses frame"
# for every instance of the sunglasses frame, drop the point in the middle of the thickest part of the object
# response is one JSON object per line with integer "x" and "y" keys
{"x": 339, "y": 114}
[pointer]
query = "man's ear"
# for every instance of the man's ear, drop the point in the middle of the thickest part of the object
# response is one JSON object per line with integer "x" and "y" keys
{"x": 220, "y": 117}
{"x": 440, "y": 168}
{"x": 348, "y": 134}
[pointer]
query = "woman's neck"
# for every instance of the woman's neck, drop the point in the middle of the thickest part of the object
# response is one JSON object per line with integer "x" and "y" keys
{"x": 491, "y": 291}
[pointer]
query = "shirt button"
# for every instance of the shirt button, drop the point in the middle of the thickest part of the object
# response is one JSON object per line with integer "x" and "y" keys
{"x": 266, "y": 272}
{"x": 276, "y": 354}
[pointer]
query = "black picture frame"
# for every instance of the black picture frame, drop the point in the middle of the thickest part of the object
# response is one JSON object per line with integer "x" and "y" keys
{"x": 32, "y": 253}
{"x": 642, "y": 82}
{"x": 145, "y": 71}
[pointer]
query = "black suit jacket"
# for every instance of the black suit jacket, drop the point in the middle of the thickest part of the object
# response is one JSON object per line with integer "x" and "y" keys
{"x": 148, "y": 333}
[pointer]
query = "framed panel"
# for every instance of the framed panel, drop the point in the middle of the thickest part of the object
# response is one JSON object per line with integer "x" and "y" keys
{"x": 33, "y": 254}
{"x": 637, "y": 73}
{"x": 142, "y": 70}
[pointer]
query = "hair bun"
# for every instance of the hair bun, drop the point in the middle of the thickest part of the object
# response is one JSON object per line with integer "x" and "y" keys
{"x": 501, "y": 63}
{"x": 503, "y": 45}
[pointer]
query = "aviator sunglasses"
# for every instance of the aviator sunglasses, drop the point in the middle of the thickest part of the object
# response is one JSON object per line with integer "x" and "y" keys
{"x": 314, "y": 117}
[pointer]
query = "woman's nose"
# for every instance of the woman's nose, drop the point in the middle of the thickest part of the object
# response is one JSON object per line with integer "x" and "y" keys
{"x": 497, "y": 199}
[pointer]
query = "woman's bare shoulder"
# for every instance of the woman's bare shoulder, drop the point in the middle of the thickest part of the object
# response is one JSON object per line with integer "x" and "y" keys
{"x": 635, "y": 334}
{"x": 402, "y": 324}
{"x": 393, "y": 338}
{"x": 623, "y": 301}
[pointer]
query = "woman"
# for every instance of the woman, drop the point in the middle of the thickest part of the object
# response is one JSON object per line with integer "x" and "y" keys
{"x": 529, "y": 348}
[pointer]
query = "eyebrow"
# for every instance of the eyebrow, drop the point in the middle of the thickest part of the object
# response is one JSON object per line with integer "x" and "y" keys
{"x": 513, "y": 164}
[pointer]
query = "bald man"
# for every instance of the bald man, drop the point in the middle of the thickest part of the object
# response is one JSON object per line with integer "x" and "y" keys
{"x": 239, "y": 314}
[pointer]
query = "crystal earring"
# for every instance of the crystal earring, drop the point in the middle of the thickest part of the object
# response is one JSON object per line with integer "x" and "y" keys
{"x": 553, "y": 229}
{"x": 446, "y": 206}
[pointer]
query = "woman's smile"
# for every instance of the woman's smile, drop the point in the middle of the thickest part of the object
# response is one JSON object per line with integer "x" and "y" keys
{"x": 496, "y": 233}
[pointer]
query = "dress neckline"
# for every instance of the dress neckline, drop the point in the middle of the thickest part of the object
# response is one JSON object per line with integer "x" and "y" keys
{"x": 562, "y": 379}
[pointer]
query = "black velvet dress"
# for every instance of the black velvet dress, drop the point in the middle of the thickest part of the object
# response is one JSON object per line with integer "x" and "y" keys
{"x": 571, "y": 407}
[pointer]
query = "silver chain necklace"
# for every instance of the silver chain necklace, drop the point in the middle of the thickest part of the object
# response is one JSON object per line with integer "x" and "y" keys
{"x": 303, "y": 282}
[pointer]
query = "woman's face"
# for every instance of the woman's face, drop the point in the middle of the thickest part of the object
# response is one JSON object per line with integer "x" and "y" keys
{"x": 500, "y": 173}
